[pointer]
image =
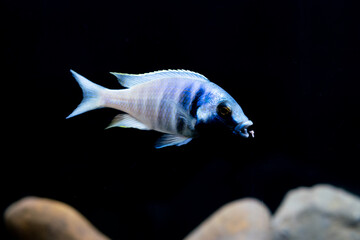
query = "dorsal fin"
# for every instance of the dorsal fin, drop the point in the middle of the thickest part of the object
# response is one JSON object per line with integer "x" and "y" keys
{"x": 129, "y": 80}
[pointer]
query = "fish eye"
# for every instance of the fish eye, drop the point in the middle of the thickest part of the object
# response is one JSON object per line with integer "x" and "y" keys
{"x": 223, "y": 110}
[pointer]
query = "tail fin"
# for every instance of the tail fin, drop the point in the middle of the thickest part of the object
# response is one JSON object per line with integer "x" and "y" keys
{"x": 91, "y": 95}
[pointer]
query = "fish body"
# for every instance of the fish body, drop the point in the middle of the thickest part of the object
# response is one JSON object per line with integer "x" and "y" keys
{"x": 175, "y": 102}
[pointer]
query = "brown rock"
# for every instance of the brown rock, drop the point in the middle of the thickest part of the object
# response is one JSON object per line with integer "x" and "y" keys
{"x": 239, "y": 220}
{"x": 316, "y": 213}
{"x": 45, "y": 219}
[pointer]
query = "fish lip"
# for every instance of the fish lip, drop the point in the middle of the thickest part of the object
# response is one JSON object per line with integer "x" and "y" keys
{"x": 242, "y": 128}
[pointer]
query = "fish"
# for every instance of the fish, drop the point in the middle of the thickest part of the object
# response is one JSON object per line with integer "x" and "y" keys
{"x": 178, "y": 103}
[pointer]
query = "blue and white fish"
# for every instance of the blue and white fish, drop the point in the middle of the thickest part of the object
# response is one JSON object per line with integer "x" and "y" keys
{"x": 175, "y": 102}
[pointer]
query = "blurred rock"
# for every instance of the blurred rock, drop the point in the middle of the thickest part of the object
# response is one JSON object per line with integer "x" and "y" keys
{"x": 239, "y": 220}
{"x": 45, "y": 219}
{"x": 317, "y": 213}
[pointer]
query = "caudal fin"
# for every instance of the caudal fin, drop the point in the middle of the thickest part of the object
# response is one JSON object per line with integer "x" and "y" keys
{"x": 91, "y": 95}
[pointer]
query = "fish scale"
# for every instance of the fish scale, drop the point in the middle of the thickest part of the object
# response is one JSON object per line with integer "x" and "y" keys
{"x": 167, "y": 108}
{"x": 172, "y": 102}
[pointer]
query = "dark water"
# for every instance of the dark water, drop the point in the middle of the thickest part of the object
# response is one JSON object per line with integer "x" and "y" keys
{"x": 293, "y": 66}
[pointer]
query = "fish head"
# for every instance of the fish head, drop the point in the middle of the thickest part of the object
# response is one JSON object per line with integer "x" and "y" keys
{"x": 224, "y": 113}
{"x": 230, "y": 114}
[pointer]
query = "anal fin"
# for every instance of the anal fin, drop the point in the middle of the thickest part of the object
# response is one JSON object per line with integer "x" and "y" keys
{"x": 171, "y": 140}
{"x": 127, "y": 121}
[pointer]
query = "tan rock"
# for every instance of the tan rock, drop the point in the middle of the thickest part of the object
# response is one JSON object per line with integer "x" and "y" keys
{"x": 316, "y": 213}
{"x": 239, "y": 220}
{"x": 34, "y": 218}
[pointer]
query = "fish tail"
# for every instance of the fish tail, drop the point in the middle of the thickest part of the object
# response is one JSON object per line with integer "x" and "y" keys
{"x": 92, "y": 95}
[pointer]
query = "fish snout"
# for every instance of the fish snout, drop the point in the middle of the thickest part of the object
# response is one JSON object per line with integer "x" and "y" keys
{"x": 242, "y": 129}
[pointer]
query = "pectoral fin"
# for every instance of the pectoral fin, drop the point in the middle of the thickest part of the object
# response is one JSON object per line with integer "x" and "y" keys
{"x": 170, "y": 140}
{"x": 127, "y": 121}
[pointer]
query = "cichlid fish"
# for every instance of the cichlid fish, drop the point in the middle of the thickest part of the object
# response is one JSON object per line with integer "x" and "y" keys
{"x": 175, "y": 102}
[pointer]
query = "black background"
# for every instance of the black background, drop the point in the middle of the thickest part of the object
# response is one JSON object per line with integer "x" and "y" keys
{"x": 293, "y": 66}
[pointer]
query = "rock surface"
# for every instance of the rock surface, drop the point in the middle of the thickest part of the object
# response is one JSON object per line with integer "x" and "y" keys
{"x": 239, "y": 220}
{"x": 45, "y": 219}
{"x": 322, "y": 212}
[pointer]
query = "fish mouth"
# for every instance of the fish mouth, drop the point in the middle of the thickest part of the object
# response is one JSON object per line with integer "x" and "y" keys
{"x": 242, "y": 129}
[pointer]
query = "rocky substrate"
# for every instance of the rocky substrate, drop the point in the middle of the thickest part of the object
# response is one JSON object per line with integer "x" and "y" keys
{"x": 44, "y": 219}
{"x": 322, "y": 212}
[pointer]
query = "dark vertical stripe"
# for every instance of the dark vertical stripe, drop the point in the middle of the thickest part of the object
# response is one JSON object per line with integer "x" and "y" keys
{"x": 185, "y": 97}
{"x": 161, "y": 111}
{"x": 164, "y": 108}
{"x": 180, "y": 123}
{"x": 196, "y": 101}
